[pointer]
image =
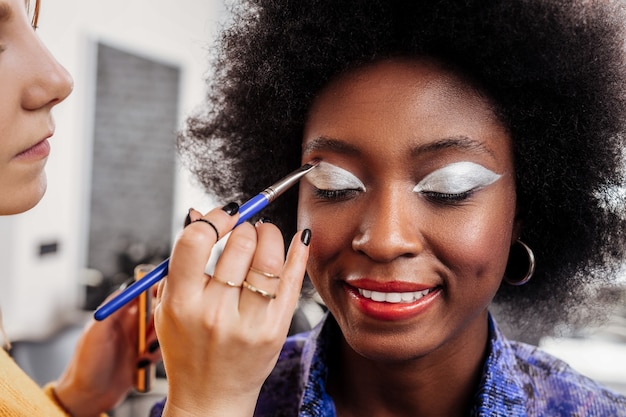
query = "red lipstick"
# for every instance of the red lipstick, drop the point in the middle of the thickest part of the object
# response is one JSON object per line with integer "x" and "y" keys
{"x": 391, "y": 301}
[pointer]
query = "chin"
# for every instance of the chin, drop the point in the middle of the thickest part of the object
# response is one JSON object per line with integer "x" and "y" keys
{"x": 24, "y": 199}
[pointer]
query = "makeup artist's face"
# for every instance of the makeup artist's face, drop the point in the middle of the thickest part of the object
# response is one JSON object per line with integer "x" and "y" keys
{"x": 412, "y": 207}
{"x": 31, "y": 83}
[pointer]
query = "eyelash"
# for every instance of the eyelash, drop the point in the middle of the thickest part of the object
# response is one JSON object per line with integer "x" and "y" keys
{"x": 433, "y": 196}
{"x": 335, "y": 195}
{"x": 447, "y": 198}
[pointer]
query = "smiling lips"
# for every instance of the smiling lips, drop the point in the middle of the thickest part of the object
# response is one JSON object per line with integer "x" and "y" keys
{"x": 391, "y": 301}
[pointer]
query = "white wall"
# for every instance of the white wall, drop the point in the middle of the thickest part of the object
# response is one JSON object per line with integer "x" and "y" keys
{"x": 39, "y": 295}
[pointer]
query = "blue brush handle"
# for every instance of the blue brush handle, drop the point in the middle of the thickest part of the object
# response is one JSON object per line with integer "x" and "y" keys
{"x": 252, "y": 207}
{"x": 133, "y": 291}
{"x": 247, "y": 210}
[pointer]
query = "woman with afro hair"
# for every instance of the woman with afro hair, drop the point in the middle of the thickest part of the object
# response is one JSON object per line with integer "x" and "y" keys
{"x": 470, "y": 175}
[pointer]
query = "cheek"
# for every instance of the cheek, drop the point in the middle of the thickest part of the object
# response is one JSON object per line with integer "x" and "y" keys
{"x": 479, "y": 244}
{"x": 484, "y": 246}
{"x": 330, "y": 234}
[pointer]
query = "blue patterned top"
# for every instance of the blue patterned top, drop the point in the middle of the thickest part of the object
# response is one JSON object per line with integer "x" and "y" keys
{"x": 518, "y": 380}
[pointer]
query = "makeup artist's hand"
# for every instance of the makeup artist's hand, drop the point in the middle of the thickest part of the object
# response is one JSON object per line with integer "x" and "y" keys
{"x": 220, "y": 341}
{"x": 101, "y": 372}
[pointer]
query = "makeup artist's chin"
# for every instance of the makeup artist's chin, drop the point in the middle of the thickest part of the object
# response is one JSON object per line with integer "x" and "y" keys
{"x": 25, "y": 197}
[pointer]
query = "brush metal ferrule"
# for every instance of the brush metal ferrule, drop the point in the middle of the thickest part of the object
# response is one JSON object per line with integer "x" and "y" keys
{"x": 279, "y": 187}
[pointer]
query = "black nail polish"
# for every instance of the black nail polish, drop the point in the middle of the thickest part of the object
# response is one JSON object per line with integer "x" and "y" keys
{"x": 306, "y": 237}
{"x": 231, "y": 208}
{"x": 152, "y": 347}
{"x": 188, "y": 219}
{"x": 265, "y": 220}
{"x": 143, "y": 363}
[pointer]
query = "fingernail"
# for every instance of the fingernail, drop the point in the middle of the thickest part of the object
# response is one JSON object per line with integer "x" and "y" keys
{"x": 143, "y": 363}
{"x": 265, "y": 220}
{"x": 306, "y": 237}
{"x": 188, "y": 218}
{"x": 231, "y": 208}
{"x": 152, "y": 347}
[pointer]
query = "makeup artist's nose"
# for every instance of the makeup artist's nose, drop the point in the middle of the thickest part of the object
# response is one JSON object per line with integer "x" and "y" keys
{"x": 387, "y": 228}
{"x": 47, "y": 82}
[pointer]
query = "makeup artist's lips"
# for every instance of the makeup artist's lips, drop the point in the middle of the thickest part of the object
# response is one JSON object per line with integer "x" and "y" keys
{"x": 391, "y": 300}
{"x": 40, "y": 150}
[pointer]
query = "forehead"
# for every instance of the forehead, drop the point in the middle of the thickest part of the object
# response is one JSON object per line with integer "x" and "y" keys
{"x": 407, "y": 103}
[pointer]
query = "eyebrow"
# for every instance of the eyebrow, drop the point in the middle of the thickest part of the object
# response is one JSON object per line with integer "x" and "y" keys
{"x": 453, "y": 142}
{"x": 324, "y": 143}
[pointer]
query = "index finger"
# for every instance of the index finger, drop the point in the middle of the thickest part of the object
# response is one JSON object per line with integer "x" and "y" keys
{"x": 193, "y": 248}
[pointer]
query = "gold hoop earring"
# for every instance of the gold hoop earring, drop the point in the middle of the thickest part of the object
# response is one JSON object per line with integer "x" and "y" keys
{"x": 514, "y": 260}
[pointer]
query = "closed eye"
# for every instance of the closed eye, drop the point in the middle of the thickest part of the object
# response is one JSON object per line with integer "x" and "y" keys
{"x": 334, "y": 183}
{"x": 455, "y": 182}
{"x": 337, "y": 195}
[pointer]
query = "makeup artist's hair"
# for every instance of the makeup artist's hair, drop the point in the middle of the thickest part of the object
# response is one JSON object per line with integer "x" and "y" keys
{"x": 554, "y": 69}
{"x": 33, "y": 10}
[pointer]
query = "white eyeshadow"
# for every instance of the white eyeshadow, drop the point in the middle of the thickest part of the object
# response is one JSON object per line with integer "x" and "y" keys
{"x": 456, "y": 178}
{"x": 330, "y": 177}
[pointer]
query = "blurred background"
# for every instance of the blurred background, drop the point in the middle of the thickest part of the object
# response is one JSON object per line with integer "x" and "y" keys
{"x": 117, "y": 194}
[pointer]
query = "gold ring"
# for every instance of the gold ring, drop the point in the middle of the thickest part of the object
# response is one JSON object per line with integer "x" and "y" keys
{"x": 256, "y": 290}
{"x": 265, "y": 274}
{"x": 229, "y": 283}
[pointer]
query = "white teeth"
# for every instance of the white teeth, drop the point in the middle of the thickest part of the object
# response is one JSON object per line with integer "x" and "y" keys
{"x": 407, "y": 297}
{"x": 393, "y": 297}
{"x": 378, "y": 296}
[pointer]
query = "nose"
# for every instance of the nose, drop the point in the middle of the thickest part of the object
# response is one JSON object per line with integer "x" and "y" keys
{"x": 47, "y": 82}
{"x": 388, "y": 228}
